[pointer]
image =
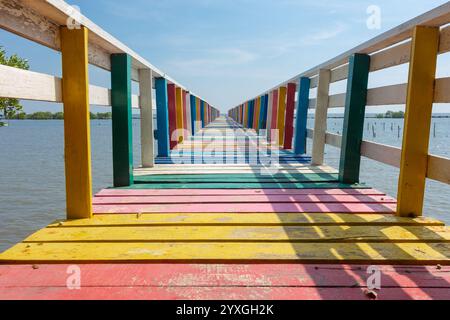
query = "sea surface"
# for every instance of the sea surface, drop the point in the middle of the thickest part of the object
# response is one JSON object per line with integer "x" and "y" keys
{"x": 32, "y": 190}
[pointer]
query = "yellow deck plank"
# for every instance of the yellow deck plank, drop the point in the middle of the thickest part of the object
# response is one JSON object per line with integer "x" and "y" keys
{"x": 256, "y": 219}
{"x": 244, "y": 233}
{"x": 409, "y": 253}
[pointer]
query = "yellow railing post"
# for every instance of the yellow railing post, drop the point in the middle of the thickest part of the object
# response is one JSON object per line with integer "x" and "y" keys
{"x": 281, "y": 114}
{"x": 416, "y": 135}
{"x": 77, "y": 140}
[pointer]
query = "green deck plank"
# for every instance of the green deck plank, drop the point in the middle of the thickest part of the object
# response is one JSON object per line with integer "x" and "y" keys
{"x": 285, "y": 185}
{"x": 237, "y": 178}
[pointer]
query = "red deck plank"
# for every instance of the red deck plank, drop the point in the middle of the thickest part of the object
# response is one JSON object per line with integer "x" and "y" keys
{"x": 212, "y": 281}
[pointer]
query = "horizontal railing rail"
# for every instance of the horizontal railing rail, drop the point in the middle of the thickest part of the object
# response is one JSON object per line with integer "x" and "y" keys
{"x": 418, "y": 43}
{"x": 59, "y": 26}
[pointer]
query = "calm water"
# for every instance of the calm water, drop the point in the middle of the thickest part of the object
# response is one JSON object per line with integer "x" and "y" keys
{"x": 32, "y": 170}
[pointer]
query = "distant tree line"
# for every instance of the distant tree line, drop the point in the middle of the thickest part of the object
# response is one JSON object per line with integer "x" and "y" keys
{"x": 42, "y": 115}
{"x": 392, "y": 114}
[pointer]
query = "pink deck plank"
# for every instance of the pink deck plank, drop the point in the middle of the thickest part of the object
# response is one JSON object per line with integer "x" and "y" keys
{"x": 248, "y": 208}
{"x": 213, "y": 281}
{"x": 220, "y": 293}
{"x": 245, "y": 199}
{"x": 206, "y": 192}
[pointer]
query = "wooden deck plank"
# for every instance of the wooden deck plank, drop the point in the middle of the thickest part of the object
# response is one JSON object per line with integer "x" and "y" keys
{"x": 212, "y": 192}
{"x": 220, "y": 293}
{"x": 230, "y": 178}
{"x": 290, "y": 234}
{"x": 248, "y": 208}
{"x": 223, "y": 275}
{"x": 227, "y": 171}
{"x": 222, "y": 199}
{"x": 247, "y": 185}
{"x": 336, "y": 252}
{"x": 255, "y": 219}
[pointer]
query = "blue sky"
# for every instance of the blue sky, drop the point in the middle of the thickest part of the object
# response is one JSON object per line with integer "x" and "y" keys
{"x": 228, "y": 51}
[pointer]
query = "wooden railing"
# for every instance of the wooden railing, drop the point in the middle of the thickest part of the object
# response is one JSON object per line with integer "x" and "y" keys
{"x": 56, "y": 25}
{"x": 417, "y": 42}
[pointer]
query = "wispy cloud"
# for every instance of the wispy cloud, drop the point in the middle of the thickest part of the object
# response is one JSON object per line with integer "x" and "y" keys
{"x": 213, "y": 61}
{"x": 326, "y": 34}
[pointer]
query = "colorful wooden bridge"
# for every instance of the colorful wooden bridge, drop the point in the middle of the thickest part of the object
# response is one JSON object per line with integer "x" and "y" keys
{"x": 232, "y": 207}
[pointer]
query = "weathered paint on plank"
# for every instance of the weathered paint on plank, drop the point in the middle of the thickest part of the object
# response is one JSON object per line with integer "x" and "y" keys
{"x": 248, "y": 208}
{"x": 290, "y": 234}
{"x": 255, "y": 219}
{"x": 374, "y": 253}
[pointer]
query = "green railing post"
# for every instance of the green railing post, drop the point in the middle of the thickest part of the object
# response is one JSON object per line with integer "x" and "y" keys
{"x": 355, "y": 107}
{"x": 122, "y": 120}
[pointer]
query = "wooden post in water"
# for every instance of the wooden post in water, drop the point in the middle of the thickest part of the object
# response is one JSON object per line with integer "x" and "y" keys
{"x": 416, "y": 132}
{"x": 162, "y": 117}
{"x": 77, "y": 138}
{"x": 289, "y": 126}
{"x": 281, "y": 120}
{"x": 355, "y": 108}
{"x": 122, "y": 126}
{"x": 146, "y": 104}
{"x": 320, "y": 120}
{"x": 302, "y": 116}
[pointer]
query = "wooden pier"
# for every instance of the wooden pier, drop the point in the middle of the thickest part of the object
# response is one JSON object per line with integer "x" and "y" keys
{"x": 232, "y": 206}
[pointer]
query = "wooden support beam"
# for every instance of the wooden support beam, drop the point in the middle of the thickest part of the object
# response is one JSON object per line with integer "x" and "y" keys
{"x": 188, "y": 122}
{"x": 263, "y": 113}
{"x": 251, "y": 114}
{"x": 258, "y": 112}
{"x": 180, "y": 114}
{"x": 269, "y": 115}
{"x": 416, "y": 135}
{"x": 281, "y": 114}
{"x": 202, "y": 112}
{"x": 274, "y": 121}
{"x": 162, "y": 117}
{"x": 302, "y": 116}
{"x": 289, "y": 123}
{"x": 77, "y": 139}
{"x": 320, "y": 120}
{"x": 171, "y": 91}
{"x": 122, "y": 127}
{"x": 198, "y": 113}
{"x": 193, "y": 113}
{"x": 355, "y": 108}
{"x": 146, "y": 104}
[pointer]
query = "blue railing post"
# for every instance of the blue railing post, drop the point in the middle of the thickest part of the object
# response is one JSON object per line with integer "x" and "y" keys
{"x": 162, "y": 117}
{"x": 302, "y": 116}
{"x": 193, "y": 113}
